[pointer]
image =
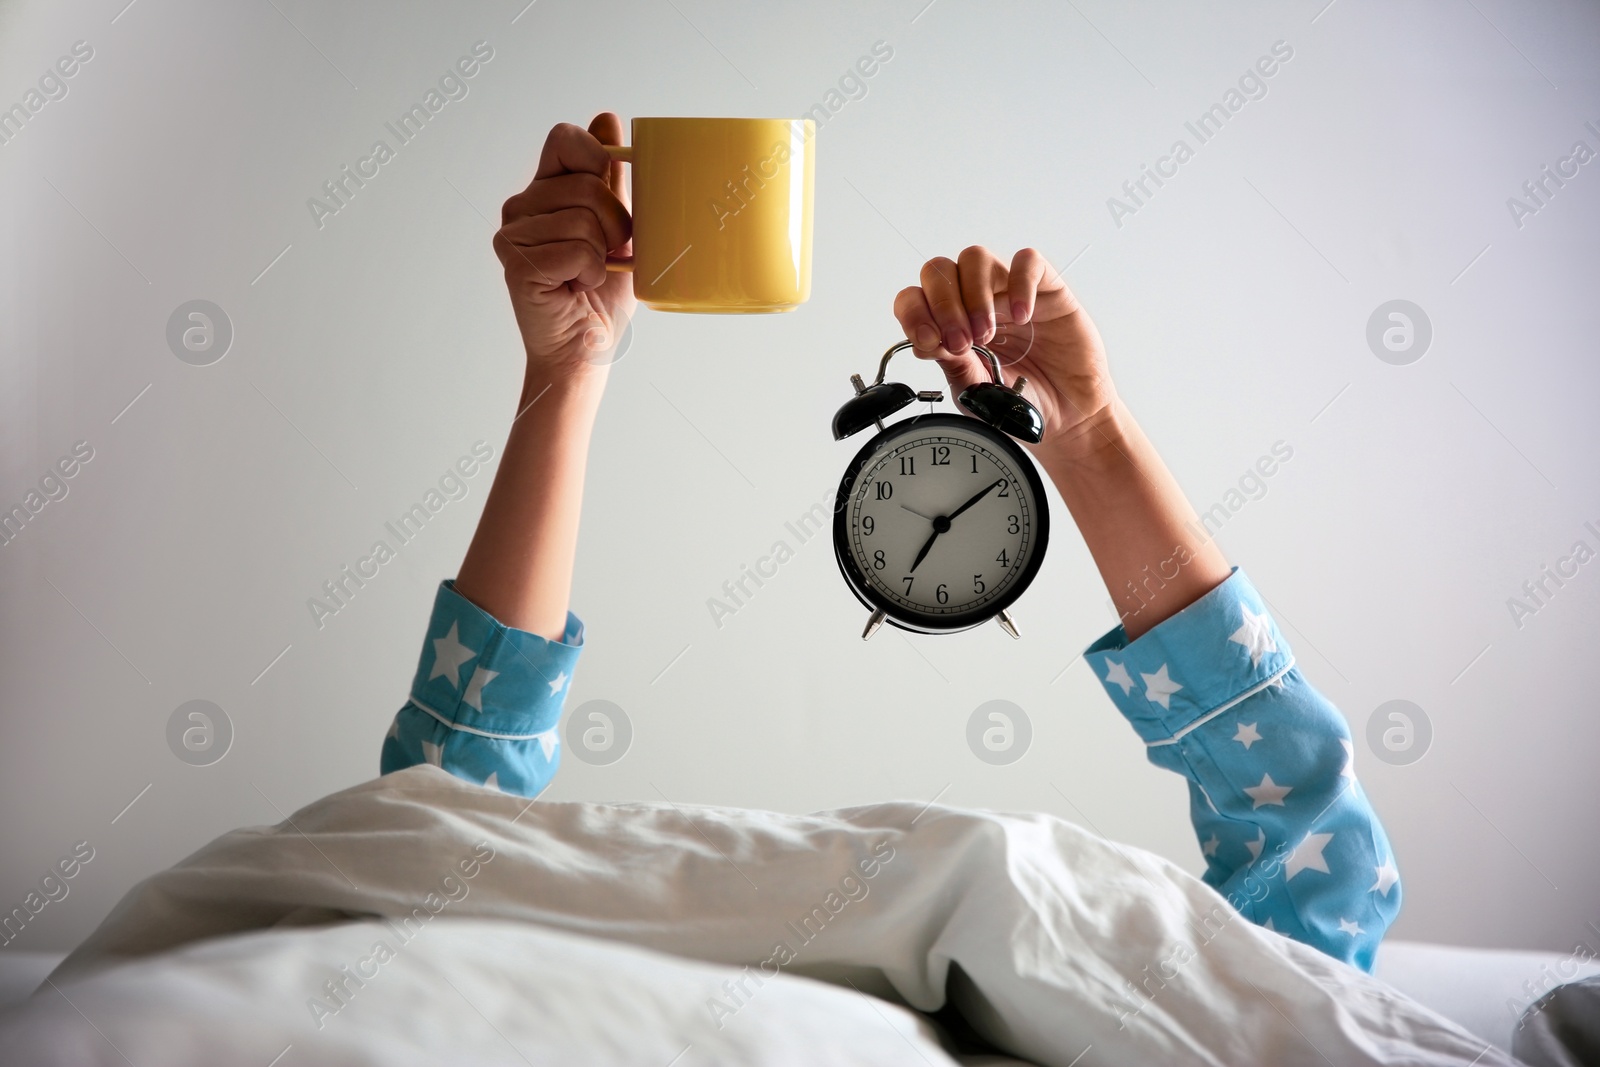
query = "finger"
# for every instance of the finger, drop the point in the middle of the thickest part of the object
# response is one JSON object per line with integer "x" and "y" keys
{"x": 606, "y": 128}
{"x": 549, "y": 195}
{"x": 1029, "y": 271}
{"x": 916, "y": 319}
{"x": 568, "y": 224}
{"x": 548, "y": 266}
{"x": 941, "y": 285}
{"x": 982, "y": 274}
{"x": 570, "y": 149}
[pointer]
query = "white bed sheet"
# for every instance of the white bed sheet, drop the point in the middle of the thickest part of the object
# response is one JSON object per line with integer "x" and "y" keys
{"x": 1482, "y": 989}
{"x": 1034, "y": 928}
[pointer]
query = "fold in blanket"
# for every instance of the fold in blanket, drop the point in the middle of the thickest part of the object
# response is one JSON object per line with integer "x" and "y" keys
{"x": 1047, "y": 938}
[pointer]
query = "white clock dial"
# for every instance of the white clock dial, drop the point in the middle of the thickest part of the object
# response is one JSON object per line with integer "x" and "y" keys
{"x": 941, "y": 523}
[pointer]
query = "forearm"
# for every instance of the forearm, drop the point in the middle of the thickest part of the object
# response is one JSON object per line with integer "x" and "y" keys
{"x": 1287, "y": 835}
{"x": 519, "y": 565}
{"x": 1143, "y": 533}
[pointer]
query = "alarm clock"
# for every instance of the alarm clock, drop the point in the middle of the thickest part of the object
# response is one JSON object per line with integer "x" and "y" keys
{"x": 940, "y": 522}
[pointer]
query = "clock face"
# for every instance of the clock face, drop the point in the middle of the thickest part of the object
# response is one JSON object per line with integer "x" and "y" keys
{"x": 941, "y": 522}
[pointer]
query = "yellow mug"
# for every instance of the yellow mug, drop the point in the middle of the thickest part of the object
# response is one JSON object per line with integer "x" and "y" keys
{"x": 721, "y": 213}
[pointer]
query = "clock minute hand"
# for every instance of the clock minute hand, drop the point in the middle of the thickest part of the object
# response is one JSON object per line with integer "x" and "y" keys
{"x": 991, "y": 487}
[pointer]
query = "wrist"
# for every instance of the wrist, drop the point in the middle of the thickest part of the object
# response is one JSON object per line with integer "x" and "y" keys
{"x": 1096, "y": 445}
{"x": 561, "y": 394}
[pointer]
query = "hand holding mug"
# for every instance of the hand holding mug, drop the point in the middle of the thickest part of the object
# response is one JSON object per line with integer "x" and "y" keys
{"x": 553, "y": 242}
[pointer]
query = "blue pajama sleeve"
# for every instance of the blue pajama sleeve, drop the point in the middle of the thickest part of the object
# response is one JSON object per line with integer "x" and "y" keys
{"x": 1287, "y": 833}
{"x": 486, "y": 700}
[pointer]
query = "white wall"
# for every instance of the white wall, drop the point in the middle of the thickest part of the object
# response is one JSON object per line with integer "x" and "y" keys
{"x": 380, "y": 347}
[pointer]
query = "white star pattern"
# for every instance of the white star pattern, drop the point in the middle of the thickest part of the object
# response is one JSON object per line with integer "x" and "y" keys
{"x": 1387, "y": 877}
{"x": 1257, "y": 845}
{"x": 1247, "y": 735}
{"x": 1255, "y": 635}
{"x": 481, "y": 677}
{"x": 394, "y": 729}
{"x": 557, "y": 682}
{"x": 1351, "y": 928}
{"x": 1349, "y": 769}
{"x": 1268, "y": 925}
{"x": 1268, "y": 792}
{"x": 1208, "y": 847}
{"x": 1117, "y": 674}
{"x": 1307, "y": 856}
{"x": 432, "y": 753}
{"x": 493, "y": 781}
{"x": 548, "y": 741}
{"x": 448, "y": 656}
{"x": 1159, "y": 687}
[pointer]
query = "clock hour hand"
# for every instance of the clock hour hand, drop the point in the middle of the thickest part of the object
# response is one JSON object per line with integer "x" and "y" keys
{"x": 991, "y": 487}
{"x": 929, "y": 542}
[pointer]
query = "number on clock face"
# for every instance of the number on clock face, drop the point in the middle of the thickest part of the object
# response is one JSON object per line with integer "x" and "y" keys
{"x": 941, "y": 524}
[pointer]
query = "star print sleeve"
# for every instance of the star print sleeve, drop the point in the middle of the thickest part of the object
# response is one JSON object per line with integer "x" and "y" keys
{"x": 1288, "y": 836}
{"x": 486, "y": 700}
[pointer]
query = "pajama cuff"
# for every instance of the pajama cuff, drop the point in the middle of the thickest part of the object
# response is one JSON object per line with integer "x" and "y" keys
{"x": 1195, "y": 664}
{"x": 479, "y": 675}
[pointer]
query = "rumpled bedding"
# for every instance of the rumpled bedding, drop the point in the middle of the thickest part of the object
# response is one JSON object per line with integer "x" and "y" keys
{"x": 421, "y": 918}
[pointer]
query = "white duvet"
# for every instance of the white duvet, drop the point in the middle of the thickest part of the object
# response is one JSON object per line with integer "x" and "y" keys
{"x": 421, "y": 919}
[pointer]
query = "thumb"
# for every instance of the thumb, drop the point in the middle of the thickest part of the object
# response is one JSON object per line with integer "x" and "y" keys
{"x": 607, "y": 129}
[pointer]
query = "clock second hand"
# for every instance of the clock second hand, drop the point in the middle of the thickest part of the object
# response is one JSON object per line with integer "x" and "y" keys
{"x": 941, "y": 524}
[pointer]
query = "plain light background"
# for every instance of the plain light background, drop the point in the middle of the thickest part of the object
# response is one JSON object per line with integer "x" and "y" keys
{"x": 374, "y": 351}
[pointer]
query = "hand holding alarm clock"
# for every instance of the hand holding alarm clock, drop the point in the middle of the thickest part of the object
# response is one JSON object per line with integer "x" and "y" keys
{"x": 941, "y": 520}
{"x": 1036, "y": 328}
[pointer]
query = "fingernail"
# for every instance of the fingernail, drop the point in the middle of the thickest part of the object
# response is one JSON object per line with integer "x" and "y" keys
{"x": 1019, "y": 311}
{"x": 980, "y": 326}
{"x": 927, "y": 337}
{"x": 955, "y": 340}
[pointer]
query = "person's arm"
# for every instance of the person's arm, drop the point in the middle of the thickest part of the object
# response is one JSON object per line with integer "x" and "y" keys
{"x": 1129, "y": 508}
{"x": 1197, "y": 665}
{"x": 502, "y": 644}
{"x": 519, "y": 565}
{"x": 570, "y": 309}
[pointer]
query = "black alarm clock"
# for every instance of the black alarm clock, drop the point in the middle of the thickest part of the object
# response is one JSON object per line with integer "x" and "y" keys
{"x": 940, "y": 522}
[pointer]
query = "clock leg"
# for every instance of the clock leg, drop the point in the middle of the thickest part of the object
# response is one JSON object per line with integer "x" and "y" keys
{"x": 1007, "y": 623}
{"x": 873, "y": 624}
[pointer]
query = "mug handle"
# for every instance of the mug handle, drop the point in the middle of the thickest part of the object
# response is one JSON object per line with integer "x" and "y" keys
{"x": 619, "y": 154}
